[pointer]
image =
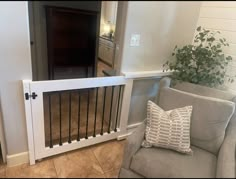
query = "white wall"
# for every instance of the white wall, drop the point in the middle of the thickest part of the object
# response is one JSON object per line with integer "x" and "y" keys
{"x": 15, "y": 64}
{"x": 221, "y": 16}
{"x": 161, "y": 25}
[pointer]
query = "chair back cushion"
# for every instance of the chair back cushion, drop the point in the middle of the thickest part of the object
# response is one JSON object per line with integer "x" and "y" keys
{"x": 204, "y": 91}
{"x": 210, "y": 116}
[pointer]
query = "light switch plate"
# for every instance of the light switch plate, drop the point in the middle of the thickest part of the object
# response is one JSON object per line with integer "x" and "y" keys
{"x": 135, "y": 40}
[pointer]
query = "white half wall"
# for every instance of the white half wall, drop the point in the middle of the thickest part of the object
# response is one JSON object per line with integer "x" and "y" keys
{"x": 15, "y": 65}
{"x": 162, "y": 25}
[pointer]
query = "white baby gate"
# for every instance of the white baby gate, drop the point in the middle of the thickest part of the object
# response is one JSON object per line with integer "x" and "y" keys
{"x": 34, "y": 92}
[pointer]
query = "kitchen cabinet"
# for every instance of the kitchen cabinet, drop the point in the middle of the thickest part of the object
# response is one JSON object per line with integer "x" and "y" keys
{"x": 106, "y": 51}
{"x": 110, "y": 11}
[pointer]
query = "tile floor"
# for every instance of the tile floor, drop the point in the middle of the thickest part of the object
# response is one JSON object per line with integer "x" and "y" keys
{"x": 98, "y": 161}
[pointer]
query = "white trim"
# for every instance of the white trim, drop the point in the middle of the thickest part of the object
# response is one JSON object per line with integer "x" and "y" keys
{"x": 121, "y": 137}
{"x": 130, "y": 129}
{"x": 126, "y": 105}
{"x": 77, "y": 145}
{"x": 17, "y": 159}
{"x": 2, "y": 138}
{"x": 82, "y": 83}
{"x": 145, "y": 74}
{"x": 29, "y": 122}
{"x": 131, "y": 126}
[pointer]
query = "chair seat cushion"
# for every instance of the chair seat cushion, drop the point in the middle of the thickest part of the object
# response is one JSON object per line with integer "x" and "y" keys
{"x": 163, "y": 163}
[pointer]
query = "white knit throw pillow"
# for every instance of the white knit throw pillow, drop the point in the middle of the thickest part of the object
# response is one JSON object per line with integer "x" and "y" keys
{"x": 168, "y": 129}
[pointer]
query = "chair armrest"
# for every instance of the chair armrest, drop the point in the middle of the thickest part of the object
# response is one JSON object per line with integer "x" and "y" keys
{"x": 226, "y": 156}
{"x": 133, "y": 144}
{"x": 226, "y": 159}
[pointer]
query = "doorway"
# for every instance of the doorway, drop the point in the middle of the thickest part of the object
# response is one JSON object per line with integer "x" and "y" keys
{"x": 111, "y": 37}
{"x": 64, "y": 45}
{"x": 64, "y": 39}
{"x": 71, "y": 42}
{"x": 67, "y": 57}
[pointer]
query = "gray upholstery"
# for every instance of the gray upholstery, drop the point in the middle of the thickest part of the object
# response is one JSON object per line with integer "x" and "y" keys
{"x": 135, "y": 141}
{"x": 156, "y": 162}
{"x": 165, "y": 82}
{"x": 124, "y": 173}
{"x": 209, "y": 120}
{"x": 167, "y": 163}
{"x": 202, "y": 90}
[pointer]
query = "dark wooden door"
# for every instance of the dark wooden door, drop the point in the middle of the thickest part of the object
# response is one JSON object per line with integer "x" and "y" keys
{"x": 71, "y": 42}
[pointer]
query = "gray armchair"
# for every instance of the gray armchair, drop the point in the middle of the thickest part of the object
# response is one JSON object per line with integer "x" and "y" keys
{"x": 213, "y": 137}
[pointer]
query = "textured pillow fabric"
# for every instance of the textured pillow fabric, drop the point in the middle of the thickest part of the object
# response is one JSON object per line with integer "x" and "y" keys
{"x": 210, "y": 116}
{"x": 168, "y": 129}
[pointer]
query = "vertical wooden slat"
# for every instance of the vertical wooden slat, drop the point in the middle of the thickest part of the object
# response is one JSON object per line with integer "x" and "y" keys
{"x": 117, "y": 109}
{"x": 95, "y": 117}
{"x": 60, "y": 142}
{"x": 86, "y": 135}
{"x": 69, "y": 140}
{"x": 78, "y": 135}
{"x": 104, "y": 105}
{"x": 50, "y": 120}
{"x": 109, "y": 124}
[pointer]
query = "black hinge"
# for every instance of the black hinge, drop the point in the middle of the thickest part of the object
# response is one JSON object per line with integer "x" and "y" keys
{"x": 27, "y": 96}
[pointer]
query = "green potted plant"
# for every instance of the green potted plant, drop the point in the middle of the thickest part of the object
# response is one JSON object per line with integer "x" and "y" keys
{"x": 202, "y": 62}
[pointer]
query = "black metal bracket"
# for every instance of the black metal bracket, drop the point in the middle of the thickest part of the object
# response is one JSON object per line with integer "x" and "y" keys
{"x": 33, "y": 96}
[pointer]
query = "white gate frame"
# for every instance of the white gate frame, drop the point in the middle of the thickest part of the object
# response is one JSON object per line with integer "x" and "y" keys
{"x": 35, "y": 114}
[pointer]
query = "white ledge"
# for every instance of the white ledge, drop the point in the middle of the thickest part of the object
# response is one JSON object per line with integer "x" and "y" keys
{"x": 146, "y": 74}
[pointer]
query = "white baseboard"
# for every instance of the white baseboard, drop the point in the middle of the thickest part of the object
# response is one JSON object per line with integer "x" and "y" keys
{"x": 121, "y": 137}
{"x": 130, "y": 129}
{"x": 131, "y": 126}
{"x": 17, "y": 159}
{"x": 22, "y": 158}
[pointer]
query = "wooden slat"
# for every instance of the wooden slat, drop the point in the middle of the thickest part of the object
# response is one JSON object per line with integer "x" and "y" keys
{"x": 231, "y": 50}
{"x": 221, "y": 16}
{"x": 233, "y": 63}
{"x": 218, "y": 24}
{"x": 227, "y": 4}
{"x": 221, "y": 13}
{"x": 228, "y": 35}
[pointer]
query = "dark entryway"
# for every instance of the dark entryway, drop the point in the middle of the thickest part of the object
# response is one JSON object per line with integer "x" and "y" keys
{"x": 64, "y": 39}
{"x": 71, "y": 37}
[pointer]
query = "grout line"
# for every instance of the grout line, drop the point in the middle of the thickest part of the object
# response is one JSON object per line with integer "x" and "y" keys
{"x": 97, "y": 160}
{"x": 54, "y": 167}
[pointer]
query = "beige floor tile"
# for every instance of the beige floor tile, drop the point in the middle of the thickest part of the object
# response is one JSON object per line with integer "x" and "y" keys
{"x": 80, "y": 164}
{"x": 44, "y": 169}
{"x": 112, "y": 174}
{"x": 2, "y": 171}
{"x": 109, "y": 154}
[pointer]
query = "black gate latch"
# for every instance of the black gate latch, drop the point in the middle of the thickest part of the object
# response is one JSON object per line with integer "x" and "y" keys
{"x": 27, "y": 96}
